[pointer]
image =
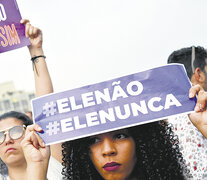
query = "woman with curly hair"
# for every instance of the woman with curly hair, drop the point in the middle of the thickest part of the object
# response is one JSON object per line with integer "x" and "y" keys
{"x": 146, "y": 152}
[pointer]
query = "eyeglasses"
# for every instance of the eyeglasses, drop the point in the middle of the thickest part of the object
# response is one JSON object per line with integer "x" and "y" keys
{"x": 15, "y": 132}
{"x": 193, "y": 59}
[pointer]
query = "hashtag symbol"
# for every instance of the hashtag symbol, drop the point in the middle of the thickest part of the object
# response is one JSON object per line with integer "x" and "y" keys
{"x": 49, "y": 109}
{"x": 52, "y": 128}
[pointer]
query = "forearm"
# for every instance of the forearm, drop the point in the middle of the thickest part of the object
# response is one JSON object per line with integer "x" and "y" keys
{"x": 202, "y": 129}
{"x": 199, "y": 123}
{"x": 56, "y": 151}
{"x": 204, "y": 132}
{"x": 37, "y": 170}
{"x": 43, "y": 83}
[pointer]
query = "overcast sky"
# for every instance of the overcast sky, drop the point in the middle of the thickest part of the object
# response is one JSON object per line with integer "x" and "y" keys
{"x": 89, "y": 41}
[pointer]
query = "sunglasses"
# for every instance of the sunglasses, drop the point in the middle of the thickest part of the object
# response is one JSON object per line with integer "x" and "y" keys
{"x": 15, "y": 132}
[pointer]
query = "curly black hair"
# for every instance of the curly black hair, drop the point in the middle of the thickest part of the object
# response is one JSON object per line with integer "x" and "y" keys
{"x": 157, "y": 151}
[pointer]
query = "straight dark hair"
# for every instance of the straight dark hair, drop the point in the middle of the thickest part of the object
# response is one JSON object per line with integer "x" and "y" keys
{"x": 25, "y": 120}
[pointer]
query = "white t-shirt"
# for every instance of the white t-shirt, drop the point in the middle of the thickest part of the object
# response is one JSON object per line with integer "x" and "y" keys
{"x": 4, "y": 177}
{"x": 53, "y": 172}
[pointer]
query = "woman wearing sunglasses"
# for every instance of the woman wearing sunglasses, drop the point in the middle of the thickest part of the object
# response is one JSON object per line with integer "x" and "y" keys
{"x": 20, "y": 155}
{"x": 43, "y": 85}
{"x": 14, "y": 123}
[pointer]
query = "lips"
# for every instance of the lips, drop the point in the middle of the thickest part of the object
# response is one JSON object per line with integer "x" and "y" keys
{"x": 10, "y": 150}
{"x": 112, "y": 166}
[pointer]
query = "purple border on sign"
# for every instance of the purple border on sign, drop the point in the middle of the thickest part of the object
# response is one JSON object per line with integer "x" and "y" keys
{"x": 158, "y": 84}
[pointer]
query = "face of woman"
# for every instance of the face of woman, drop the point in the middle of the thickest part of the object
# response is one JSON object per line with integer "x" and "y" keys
{"x": 113, "y": 154}
{"x": 10, "y": 150}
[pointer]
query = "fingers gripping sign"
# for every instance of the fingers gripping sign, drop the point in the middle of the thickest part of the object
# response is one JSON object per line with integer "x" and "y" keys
{"x": 199, "y": 118}
{"x": 33, "y": 33}
{"x": 36, "y": 153}
{"x": 33, "y": 146}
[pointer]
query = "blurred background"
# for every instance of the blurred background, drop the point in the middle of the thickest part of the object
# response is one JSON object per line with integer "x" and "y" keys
{"x": 89, "y": 41}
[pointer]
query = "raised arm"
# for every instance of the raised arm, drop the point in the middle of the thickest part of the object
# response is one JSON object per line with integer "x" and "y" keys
{"x": 43, "y": 83}
{"x": 199, "y": 118}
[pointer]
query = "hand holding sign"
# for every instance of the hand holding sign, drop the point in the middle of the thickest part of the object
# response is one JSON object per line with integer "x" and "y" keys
{"x": 35, "y": 152}
{"x": 35, "y": 36}
{"x": 199, "y": 119}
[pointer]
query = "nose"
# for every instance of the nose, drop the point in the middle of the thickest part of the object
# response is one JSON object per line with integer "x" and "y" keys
{"x": 8, "y": 140}
{"x": 108, "y": 148}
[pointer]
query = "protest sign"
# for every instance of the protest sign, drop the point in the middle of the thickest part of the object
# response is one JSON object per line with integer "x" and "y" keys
{"x": 119, "y": 103}
{"x": 12, "y": 33}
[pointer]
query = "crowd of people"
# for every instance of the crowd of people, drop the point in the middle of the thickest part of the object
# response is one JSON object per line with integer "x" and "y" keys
{"x": 166, "y": 150}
